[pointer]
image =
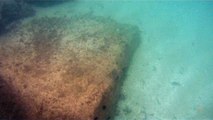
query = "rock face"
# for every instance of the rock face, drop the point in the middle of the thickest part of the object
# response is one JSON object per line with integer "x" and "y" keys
{"x": 64, "y": 68}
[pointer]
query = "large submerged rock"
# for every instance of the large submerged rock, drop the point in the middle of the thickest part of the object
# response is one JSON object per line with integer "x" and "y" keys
{"x": 64, "y": 68}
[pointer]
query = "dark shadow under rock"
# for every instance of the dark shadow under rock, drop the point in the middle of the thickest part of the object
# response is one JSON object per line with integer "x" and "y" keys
{"x": 11, "y": 106}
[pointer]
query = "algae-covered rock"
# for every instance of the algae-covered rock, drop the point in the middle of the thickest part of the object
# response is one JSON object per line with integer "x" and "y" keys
{"x": 65, "y": 68}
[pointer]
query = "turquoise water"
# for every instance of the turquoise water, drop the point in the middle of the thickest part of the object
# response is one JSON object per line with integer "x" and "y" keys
{"x": 171, "y": 74}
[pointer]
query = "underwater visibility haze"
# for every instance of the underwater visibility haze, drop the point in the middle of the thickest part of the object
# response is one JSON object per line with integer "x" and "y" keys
{"x": 154, "y": 59}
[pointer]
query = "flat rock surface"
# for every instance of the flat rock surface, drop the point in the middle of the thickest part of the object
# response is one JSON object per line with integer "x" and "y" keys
{"x": 64, "y": 68}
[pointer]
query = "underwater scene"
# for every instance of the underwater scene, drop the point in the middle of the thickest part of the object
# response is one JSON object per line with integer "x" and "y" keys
{"x": 106, "y": 60}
